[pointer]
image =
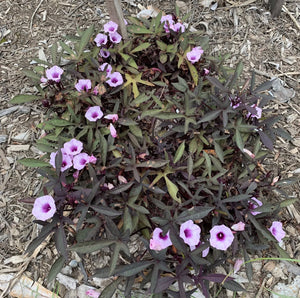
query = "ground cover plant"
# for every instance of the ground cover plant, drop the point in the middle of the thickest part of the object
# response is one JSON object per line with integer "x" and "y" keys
{"x": 152, "y": 136}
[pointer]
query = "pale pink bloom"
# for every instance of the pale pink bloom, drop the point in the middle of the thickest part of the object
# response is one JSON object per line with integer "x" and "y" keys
{"x": 66, "y": 162}
{"x": 122, "y": 179}
{"x": 95, "y": 90}
{"x": 104, "y": 53}
{"x": 252, "y": 205}
{"x": 80, "y": 160}
{"x": 204, "y": 252}
{"x": 158, "y": 241}
{"x": 54, "y": 73}
{"x": 92, "y": 293}
{"x": 235, "y": 102}
{"x": 92, "y": 159}
{"x": 194, "y": 55}
{"x": 108, "y": 185}
{"x": 221, "y": 237}
{"x": 237, "y": 265}
{"x": 110, "y": 27}
{"x": 167, "y": 19}
{"x": 177, "y": 27}
{"x": 76, "y": 174}
{"x": 258, "y": 112}
{"x": 105, "y": 67}
{"x": 206, "y": 71}
{"x": 252, "y": 155}
{"x": 44, "y": 80}
{"x": 240, "y": 226}
{"x": 115, "y": 37}
{"x": 112, "y": 130}
{"x": 44, "y": 207}
{"x": 190, "y": 233}
{"x": 277, "y": 231}
{"x": 94, "y": 113}
{"x": 73, "y": 147}
{"x": 100, "y": 39}
{"x": 113, "y": 117}
{"x": 115, "y": 79}
{"x": 126, "y": 23}
{"x": 83, "y": 85}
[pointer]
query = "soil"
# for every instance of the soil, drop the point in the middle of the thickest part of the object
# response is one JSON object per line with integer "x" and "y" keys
{"x": 244, "y": 29}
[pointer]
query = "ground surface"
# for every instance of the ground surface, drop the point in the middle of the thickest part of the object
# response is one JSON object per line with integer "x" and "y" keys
{"x": 244, "y": 29}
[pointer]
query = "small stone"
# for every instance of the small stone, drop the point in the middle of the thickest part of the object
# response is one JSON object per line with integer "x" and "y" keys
{"x": 73, "y": 263}
{"x": 278, "y": 271}
{"x": 269, "y": 267}
{"x": 3, "y": 138}
{"x": 289, "y": 290}
{"x": 102, "y": 282}
{"x": 21, "y": 137}
{"x": 8, "y": 111}
{"x": 68, "y": 282}
{"x": 67, "y": 270}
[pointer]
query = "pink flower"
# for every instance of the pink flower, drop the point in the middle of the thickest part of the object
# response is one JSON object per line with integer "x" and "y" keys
{"x": 94, "y": 113}
{"x": 206, "y": 71}
{"x": 92, "y": 293}
{"x": 110, "y": 27}
{"x": 113, "y": 117}
{"x": 240, "y": 226}
{"x": 122, "y": 179}
{"x": 249, "y": 153}
{"x": 44, "y": 207}
{"x": 105, "y": 67}
{"x": 76, "y": 174}
{"x": 80, "y": 160}
{"x": 277, "y": 231}
{"x": 115, "y": 37}
{"x": 92, "y": 159}
{"x": 73, "y": 147}
{"x": 104, "y": 53}
{"x": 252, "y": 205}
{"x": 158, "y": 241}
{"x": 66, "y": 162}
{"x": 112, "y": 130}
{"x": 108, "y": 185}
{"x": 83, "y": 85}
{"x": 195, "y": 54}
{"x": 190, "y": 233}
{"x": 235, "y": 102}
{"x": 237, "y": 265}
{"x": 167, "y": 19}
{"x": 44, "y": 80}
{"x": 258, "y": 112}
{"x": 100, "y": 39}
{"x": 115, "y": 79}
{"x": 204, "y": 252}
{"x": 54, "y": 74}
{"x": 177, "y": 27}
{"x": 221, "y": 237}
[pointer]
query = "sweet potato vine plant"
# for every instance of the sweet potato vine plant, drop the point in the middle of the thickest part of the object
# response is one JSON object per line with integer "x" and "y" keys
{"x": 155, "y": 138}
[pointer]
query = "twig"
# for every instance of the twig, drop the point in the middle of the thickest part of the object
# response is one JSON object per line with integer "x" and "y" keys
{"x": 77, "y": 7}
{"x": 291, "y": 16}
{"x": 261, "y": 73}
{"x": 33, "y": 15}
{"x": 239, "y": 4}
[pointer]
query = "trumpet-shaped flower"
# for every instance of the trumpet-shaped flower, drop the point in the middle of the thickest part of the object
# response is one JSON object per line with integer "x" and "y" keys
{"x": 112, "y": 130}
{"x": 115, "y": 37}
{"x": 66, "y": 162}
{"x": 190, "y": 233}
{"x": 83, "y": 85}
{"x": 257, "y": 114}
{"x": 237, "y": 265}
{"x": 221, "y": 237}
{"x": 92, "y": 159}
{"x": 73, "y": 147}
{"x": 80, "y": 160}
{"x": 110, "y": 27}
{"x": 177, "y": 27}
{"x": 194, "y": 55}
{"x": 113, "y": 117}
{"x": 253, "y": 205}
{"x": 240, "y": 226}
{"x": 44, "y": 207}
{"x": 94, "y": 113}
{"x": 104, "y": 53}
{"x": 100, "y": 39}
{"x": 115, "y": 79}
{"x": 277, "y": 231}
{"x": 158, "y": 241}
{"x": 105, "y": 67}
{"x": 54, "y": 73}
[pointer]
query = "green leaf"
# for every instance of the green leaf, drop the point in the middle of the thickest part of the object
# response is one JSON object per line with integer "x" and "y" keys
{"x": 103, "y": 148}
{"x": 132, "y": 269}
{"x": 208, "y": 163}
{"x": 161, "y": 45}
{"x": 114, "y": 258}
{"x": 233, "y": 286}
{"x": 141, "y": 47}
{"x": 126, "y": 121}
{"x": 210, "y": 116}
{"x": 61, "y": 241}
{"x": 138, "y": 29}
{"x": 67, "y": 49}
{"x": 54, "y": 53}
{"x": 216, "y": 83}
{"x": 194, "y": 213}
{"x": 219, "y": 151}
{"x": 33, "y": 163}
{"x": 85, "y": 38}
{"x": 32, "y": 75}
{"x": 90, "y": 246}
{"x": 120, "y": 188}
{"x": 111, "y": 288}
{"x": 106, "y": 210}
{"x": 163, "y": 58}
{"x": 60, "y": 122}
{"x": 55, "y": 268}
{"x": 179, "y": 87}
{"x": 172, "y": 189}
{"x": 288, "y": 202}
{"x": 193, "y": 72}
{"x": 158, "y": 163}
{"x": 239, "y": 140}
{"x": 23, "y": 98}
{"x": 179, "y": 152}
